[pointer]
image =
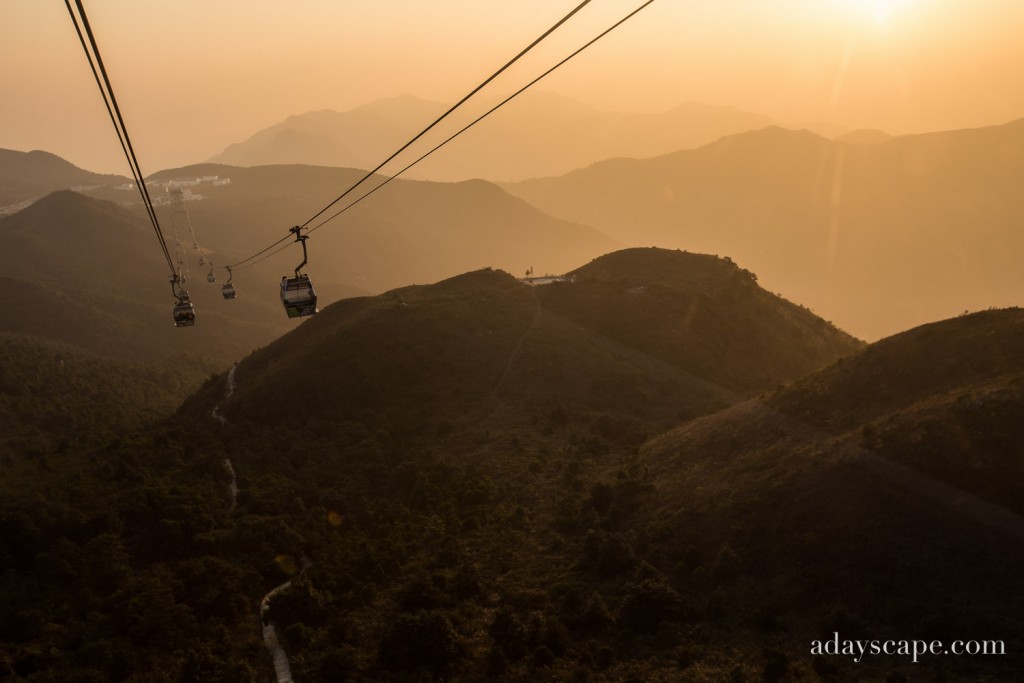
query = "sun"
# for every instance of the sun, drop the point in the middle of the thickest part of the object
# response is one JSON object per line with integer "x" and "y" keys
{"x": 879, "y": 12}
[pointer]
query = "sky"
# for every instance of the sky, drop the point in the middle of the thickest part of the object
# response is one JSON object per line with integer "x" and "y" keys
{"x": 193, "y": 76}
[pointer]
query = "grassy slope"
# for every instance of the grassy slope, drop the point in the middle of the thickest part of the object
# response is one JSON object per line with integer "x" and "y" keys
{"x": 878, "y": 497}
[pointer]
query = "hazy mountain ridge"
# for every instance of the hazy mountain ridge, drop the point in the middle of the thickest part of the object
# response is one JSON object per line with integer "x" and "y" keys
{"x": 410, "y": 231}
{"x": 876, "y": 237}
{"x": 89, "y": 273}
{"x": 99, "y": 261}
{"x": 28, "y": 175}
{"x": 541, "y": 134}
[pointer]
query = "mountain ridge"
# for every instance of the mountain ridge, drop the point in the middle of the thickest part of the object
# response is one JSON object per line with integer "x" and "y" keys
{"x": 539, "y": 134}
{"x": 501, "y": 325}
{"x": 27, "y": 175}
{"x": 877, "y": 237}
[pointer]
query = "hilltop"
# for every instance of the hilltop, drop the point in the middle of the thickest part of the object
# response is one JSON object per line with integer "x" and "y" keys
{"x": 645, "y": 335}
{"x": 877, "y": 237}
{"x": 28, "y": 175}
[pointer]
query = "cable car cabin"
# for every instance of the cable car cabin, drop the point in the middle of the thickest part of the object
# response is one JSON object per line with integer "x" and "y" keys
{"x": 298, "y": 296}
{"x": 184, "y": 314}
{"x": 228, "y": 291}
{"x": 210, "y": 277}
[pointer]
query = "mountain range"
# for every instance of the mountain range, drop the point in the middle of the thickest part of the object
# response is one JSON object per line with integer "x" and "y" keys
{"x": 537, "y": 135}
{"x": 695, "y": 328}
{"x": 650, "y": 469}
{"x": 93, "y": 267}
{"x": 874, "y": 232}
{"x": 26, "y": 176}
{"x": 877, "y": 237}
{"x": 89, "y": 273}
{"x": 411, "y": 231}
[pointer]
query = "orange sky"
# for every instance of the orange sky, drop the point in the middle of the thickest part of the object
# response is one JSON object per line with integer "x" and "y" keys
{"x": 193, "y": 76}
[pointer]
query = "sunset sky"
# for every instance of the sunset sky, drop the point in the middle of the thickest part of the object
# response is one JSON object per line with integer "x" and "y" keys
{"x": 194, "y": 76}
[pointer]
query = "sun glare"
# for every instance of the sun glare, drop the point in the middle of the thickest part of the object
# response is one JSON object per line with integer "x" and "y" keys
{"x": 879, "y": 12}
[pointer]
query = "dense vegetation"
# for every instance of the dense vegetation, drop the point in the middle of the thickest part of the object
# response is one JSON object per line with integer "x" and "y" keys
{"x": 55, "y": 398}
{"x": 87, "y": 273}
{"x": 461, "y": 484}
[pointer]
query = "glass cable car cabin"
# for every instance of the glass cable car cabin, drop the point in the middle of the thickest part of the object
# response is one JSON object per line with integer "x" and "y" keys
{"x": 184, "y": 313}
{"x": 297, "y": 293}
{"x": 228, "y": 289}
{"x": 298, "y": 296}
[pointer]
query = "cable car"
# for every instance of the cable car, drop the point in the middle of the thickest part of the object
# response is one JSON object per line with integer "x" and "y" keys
{"x": 202, "y": 261}
{"x": 184, "y": 313}
{"x": 228, "y": 290}
{"x": 298, "y": 296}
{"x": 297, "y": 293}
{"x": 210, "y": 277}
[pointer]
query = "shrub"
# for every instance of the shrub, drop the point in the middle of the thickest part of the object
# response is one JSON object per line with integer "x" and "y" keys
{"x": 422, "y": 640}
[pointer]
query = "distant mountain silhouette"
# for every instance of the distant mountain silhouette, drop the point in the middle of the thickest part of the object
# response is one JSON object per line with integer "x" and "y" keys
{"x": 359, "y": 138}
{"x": 410, "y": 231}
{"x": 538, "y": 134}
{"x": 106, "y": 260}
{"x": 29, "y": 175}
{"x": 643, "y": 335}
{"x": 876, "y": 237}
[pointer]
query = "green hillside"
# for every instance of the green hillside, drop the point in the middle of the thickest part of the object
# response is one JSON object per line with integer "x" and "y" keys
{"x": 455, "y": 465}
{"x": 472, "y": 480}
{"x": 54, "y": 397}
{"x": 849, "y": 500}
{"x": 88, "y": 272}
{"x": 689, "y": 326}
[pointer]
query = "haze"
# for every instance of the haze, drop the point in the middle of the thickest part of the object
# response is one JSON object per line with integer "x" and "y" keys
{"x": 193, "y": 77}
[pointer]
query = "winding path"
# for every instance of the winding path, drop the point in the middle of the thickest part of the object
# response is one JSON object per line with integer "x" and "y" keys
{"x": 227, "y": 394}
{"x": 282, "y": 670}
{"x": 233, "y": 483}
